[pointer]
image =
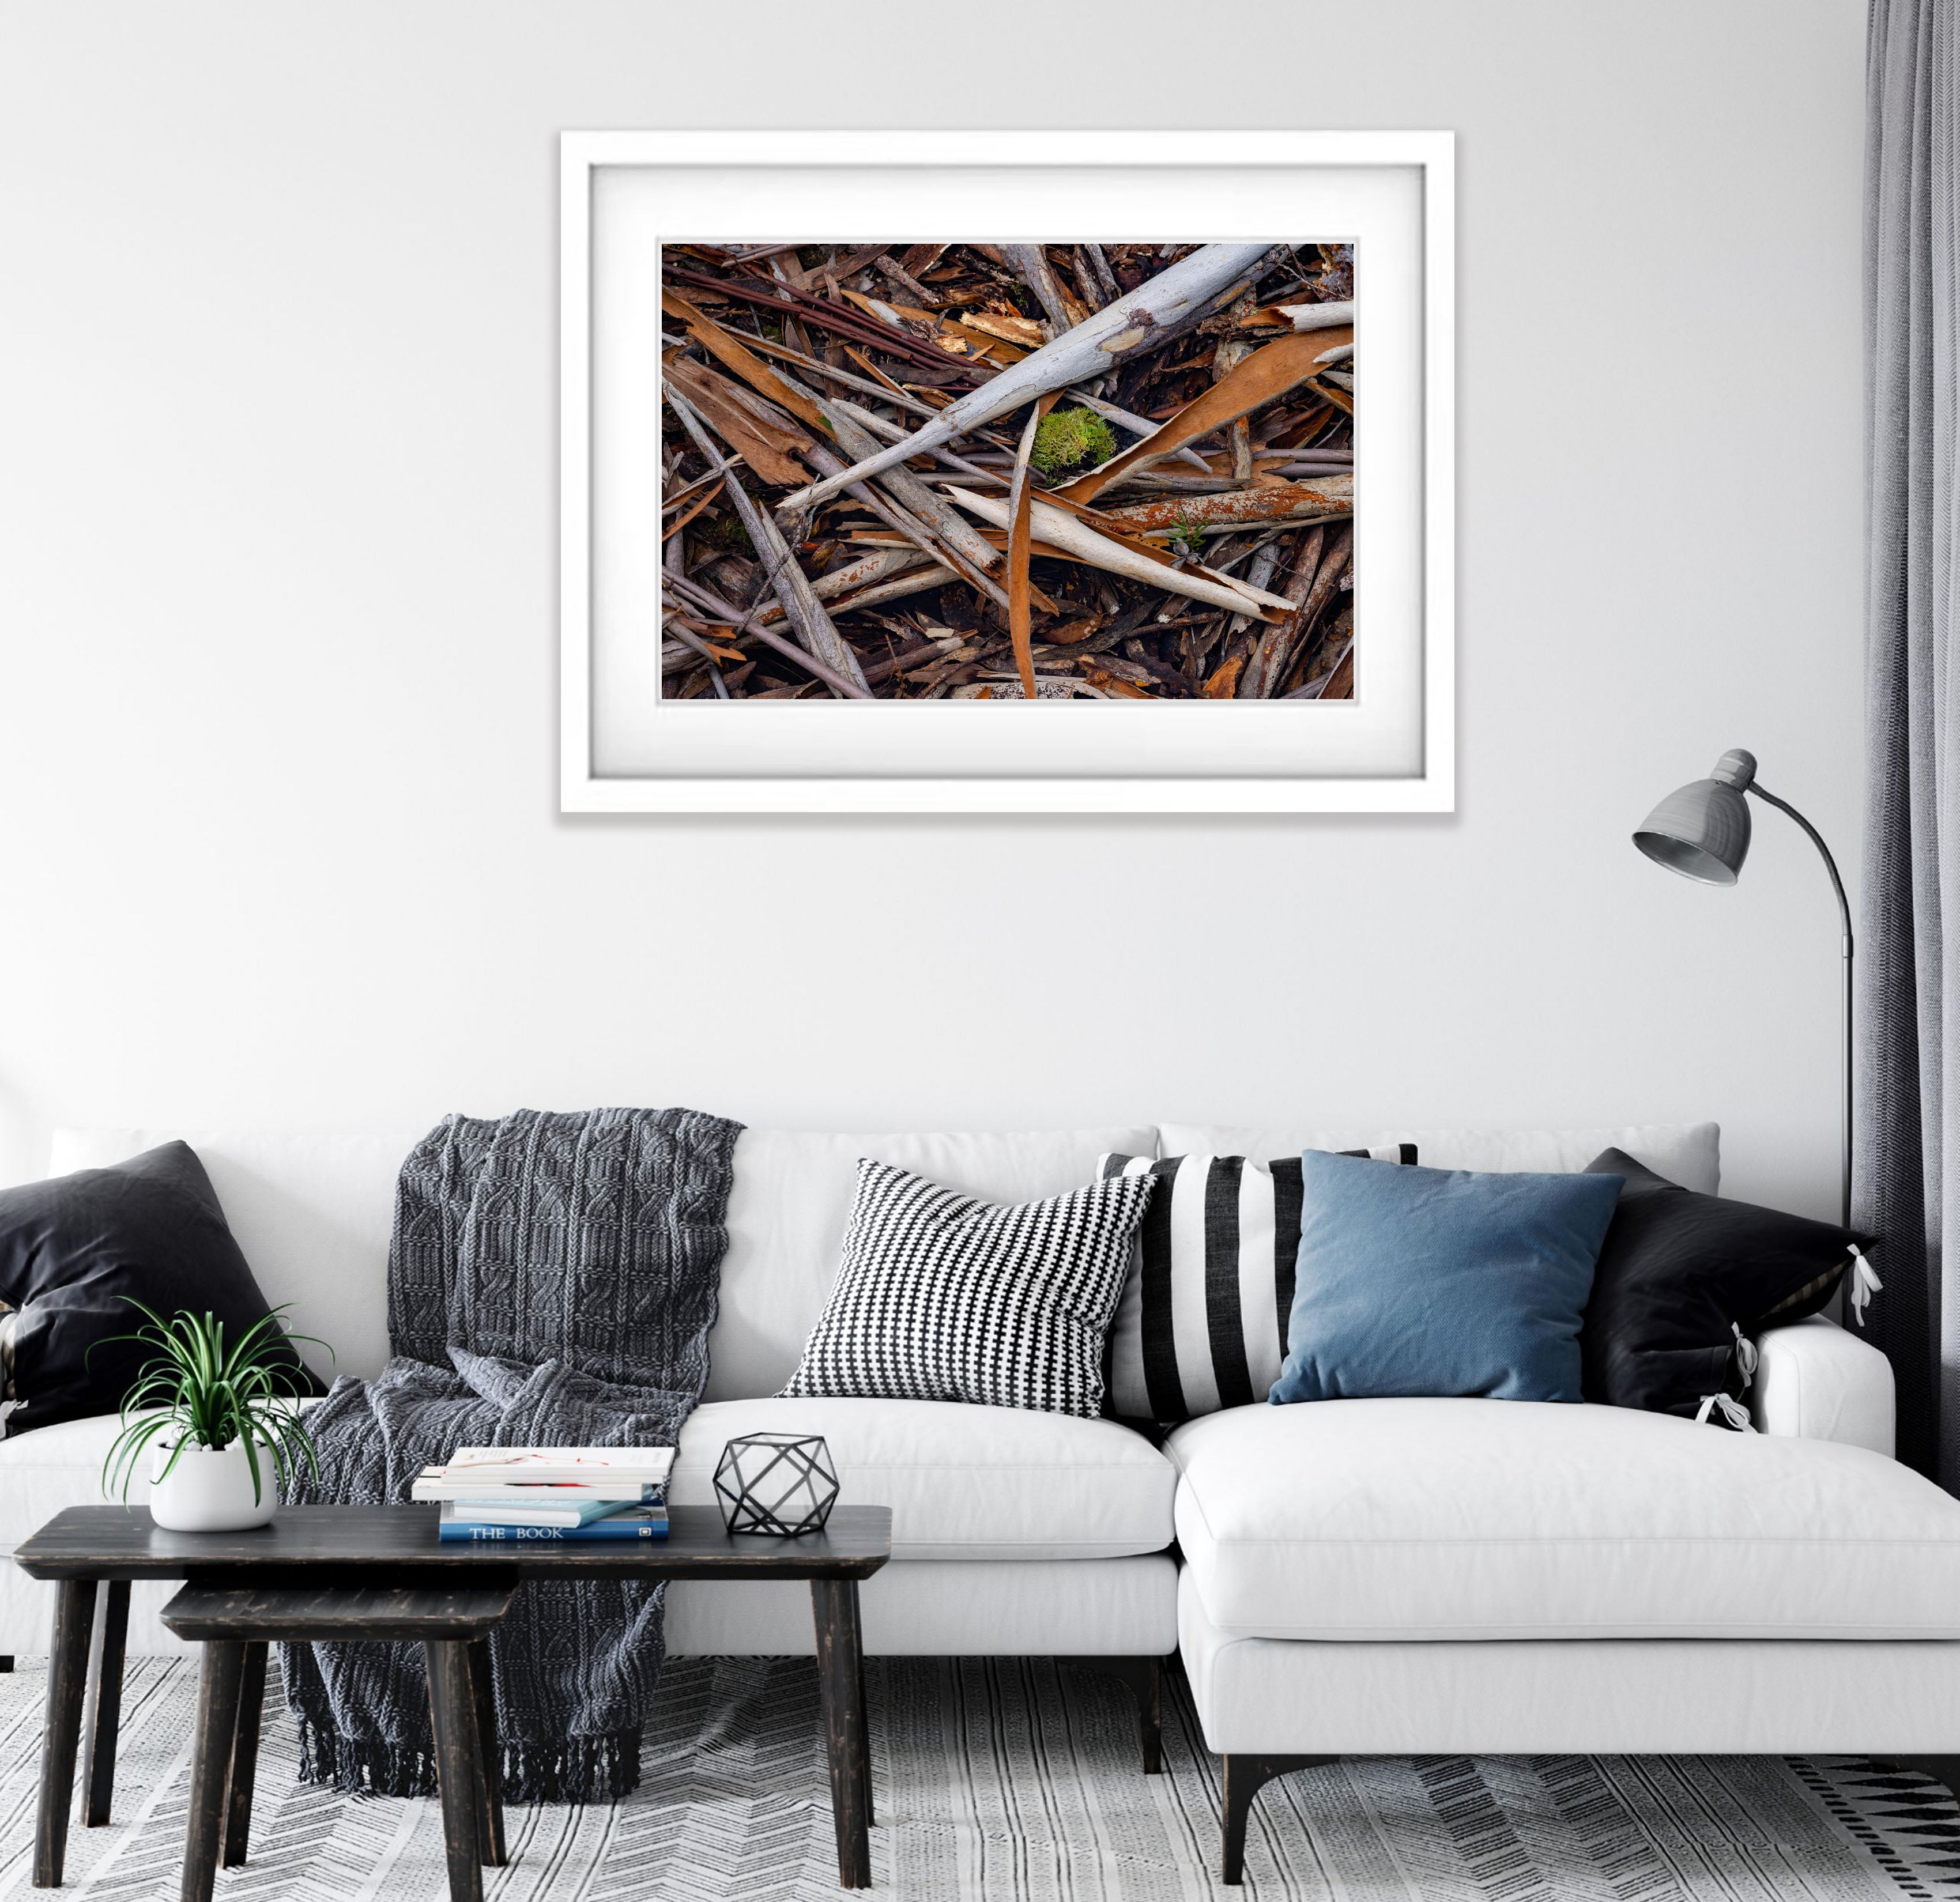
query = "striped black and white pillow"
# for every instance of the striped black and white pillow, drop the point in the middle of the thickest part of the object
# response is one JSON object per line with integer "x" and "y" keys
{"x": 1201, "y": 1322}
{"x": 942, "y": 1296}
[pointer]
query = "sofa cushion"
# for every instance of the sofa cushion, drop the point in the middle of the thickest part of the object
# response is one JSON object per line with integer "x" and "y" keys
{"x": 1683, "y": 1278}
{"x": 963, "y": 1482}
{"x": 791, "y": 1201}
{"x": 1684, "y": 1152}
{"x": 942, "y": 1296}
{"x": 1440, "y": 1281}
{"x": 1452, "y": 1520}
{"x": 1201, "y": 1321}
{"x": 92, "y": 1259}
{"x": 311, "y": 1211}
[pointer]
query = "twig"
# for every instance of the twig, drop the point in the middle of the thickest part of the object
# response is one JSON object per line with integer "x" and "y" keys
{"x": 920, "y": 534}
{"x": 1108, "y": 290}
{"x": 1032, "y": 261}
{"x": 1329, "y": 495}
{"x": 1316, "y": 568}
{"x": 792, "y": 586}
{"x": 715, "y": 605}
{"x": 683, "y": 632}
{"x": 1061, "y": 530}
{"x": 1020, "y": 628}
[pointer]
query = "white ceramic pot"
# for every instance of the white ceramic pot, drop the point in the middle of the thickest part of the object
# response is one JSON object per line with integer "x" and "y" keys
{"x": 211, "y": 1491}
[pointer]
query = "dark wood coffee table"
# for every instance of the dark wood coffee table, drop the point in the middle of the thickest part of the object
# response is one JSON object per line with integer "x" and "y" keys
{"x": 87, "y": 1546}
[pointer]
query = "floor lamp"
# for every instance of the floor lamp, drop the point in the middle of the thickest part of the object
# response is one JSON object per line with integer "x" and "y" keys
{"x": 1702, "y": 831}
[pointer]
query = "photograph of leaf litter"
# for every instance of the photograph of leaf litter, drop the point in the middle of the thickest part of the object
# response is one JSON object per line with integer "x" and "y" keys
{"x": 1008, "y": 471}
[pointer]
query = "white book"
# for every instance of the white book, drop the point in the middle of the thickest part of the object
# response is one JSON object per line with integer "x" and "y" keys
{"x": 548, "y": 1476}
{"x": 589, "y": 1465}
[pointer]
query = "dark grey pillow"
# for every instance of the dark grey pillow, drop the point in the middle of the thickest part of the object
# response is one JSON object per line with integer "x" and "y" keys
{"x": 1682, "y": 1277}
{"x": 75, "y": 1248}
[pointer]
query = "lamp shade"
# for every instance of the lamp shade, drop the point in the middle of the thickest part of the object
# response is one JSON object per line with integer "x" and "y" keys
{"x": 1702, "y": 831}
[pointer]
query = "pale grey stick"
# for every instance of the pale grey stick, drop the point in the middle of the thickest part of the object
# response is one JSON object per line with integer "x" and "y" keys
{"x": 910, "y": 491}
{"x": 959, "y": 545}
{"x": 1144, "y": 321}
{"x": 892, "y": 433}
{"x": 805, "y": 611}
{"x": 889, "y": 511}
{"x": 1099, "y": 269}
{"x": 714, "y": 604}
{"x": 1261, "y": 576}
{"x": 1032, "y": 261}
{"x": 675, "y": 559}
{"x": 687, "y": 636}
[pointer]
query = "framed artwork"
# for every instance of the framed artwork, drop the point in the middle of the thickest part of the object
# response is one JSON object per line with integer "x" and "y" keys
{"x": 962, "y": 471}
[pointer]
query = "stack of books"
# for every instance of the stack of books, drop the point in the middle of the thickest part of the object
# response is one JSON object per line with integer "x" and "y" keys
{"x": 494, "y": 1493}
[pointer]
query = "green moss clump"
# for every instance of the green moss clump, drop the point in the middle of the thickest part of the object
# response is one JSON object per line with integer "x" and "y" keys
{"x": 1071, "y": 439}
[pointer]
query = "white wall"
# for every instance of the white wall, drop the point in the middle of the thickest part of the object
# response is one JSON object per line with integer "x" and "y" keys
{"x": 278, "y": 835}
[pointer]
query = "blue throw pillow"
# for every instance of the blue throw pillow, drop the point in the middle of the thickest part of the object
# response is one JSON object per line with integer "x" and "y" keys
{"x": 1440, "y": 1281}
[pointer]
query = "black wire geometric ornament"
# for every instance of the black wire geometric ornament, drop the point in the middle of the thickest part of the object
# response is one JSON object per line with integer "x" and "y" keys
{"x": 782, "y": 1484}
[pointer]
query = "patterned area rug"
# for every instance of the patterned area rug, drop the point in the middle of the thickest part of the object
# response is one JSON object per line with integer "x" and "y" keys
{"x": 1013, "y": 1778}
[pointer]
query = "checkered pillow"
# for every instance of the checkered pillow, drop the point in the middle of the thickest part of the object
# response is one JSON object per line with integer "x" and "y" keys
{"x": 942, "y": 1296}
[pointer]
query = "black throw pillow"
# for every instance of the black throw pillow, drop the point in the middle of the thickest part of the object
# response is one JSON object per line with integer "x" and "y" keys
{"x": 1682, "y": 1275}
{"x": 73, "y": 1247}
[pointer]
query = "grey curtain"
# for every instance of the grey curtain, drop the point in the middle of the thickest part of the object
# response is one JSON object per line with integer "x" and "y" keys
{"x": 1909, "y": 1066}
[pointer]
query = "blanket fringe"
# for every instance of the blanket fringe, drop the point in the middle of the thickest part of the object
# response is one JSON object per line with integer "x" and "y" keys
{"x": 363, "y": 1766}
{"x": 580, "y": 1769}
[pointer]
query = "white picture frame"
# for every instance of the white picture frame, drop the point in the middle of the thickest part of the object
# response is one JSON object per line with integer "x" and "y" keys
{"x": 1390, "y": 749}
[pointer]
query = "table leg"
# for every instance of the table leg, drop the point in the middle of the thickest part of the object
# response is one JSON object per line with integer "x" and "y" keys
{"x": 105, "y": 1702}
{"x": 218, "y": 1688}
{"x": 865, "y": 1739}
{"x": 242, "y": 1766}
{"x": 840, "y": 1666}
{"x": 453, "y": 1712}
{"x": 68, "y": 1678}
{"x": 489, "y": 1759}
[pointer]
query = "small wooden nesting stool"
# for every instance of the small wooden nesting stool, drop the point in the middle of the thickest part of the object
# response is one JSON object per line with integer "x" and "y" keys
{"x": 236, "y": 1616}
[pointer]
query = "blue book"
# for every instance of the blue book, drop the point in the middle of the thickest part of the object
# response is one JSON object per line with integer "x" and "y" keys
{"x": 635, "y": 1522}
{"x": 497, "y": 1510}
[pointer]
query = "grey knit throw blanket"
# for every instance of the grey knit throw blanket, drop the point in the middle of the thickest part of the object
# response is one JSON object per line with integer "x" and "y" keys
{"x": 551, "y": 1279}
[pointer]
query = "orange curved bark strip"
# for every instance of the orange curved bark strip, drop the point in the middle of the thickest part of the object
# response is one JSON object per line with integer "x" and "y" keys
{"x": 1267, "y": 373}
{"x": 718, "y": 342}
{"x": 1020, "y": 626}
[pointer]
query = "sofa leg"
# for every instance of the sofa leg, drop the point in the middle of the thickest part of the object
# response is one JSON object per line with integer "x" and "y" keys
{"x": 1145, "y": 1678}
{"x": 1245, "y": 1776}
{"x": 6, "y": 1662}
{"x": 1942, "y": 1769}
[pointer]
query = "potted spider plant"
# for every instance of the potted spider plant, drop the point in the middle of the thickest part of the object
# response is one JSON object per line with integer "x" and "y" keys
{"x": 219, "y": 1419}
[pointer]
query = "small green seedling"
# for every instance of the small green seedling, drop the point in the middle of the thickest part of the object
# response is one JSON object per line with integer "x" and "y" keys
{"x": 1187, "y": 539}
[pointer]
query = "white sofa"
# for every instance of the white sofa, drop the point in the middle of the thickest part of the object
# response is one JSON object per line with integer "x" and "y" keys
{"x": 1357, "y": 1577}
